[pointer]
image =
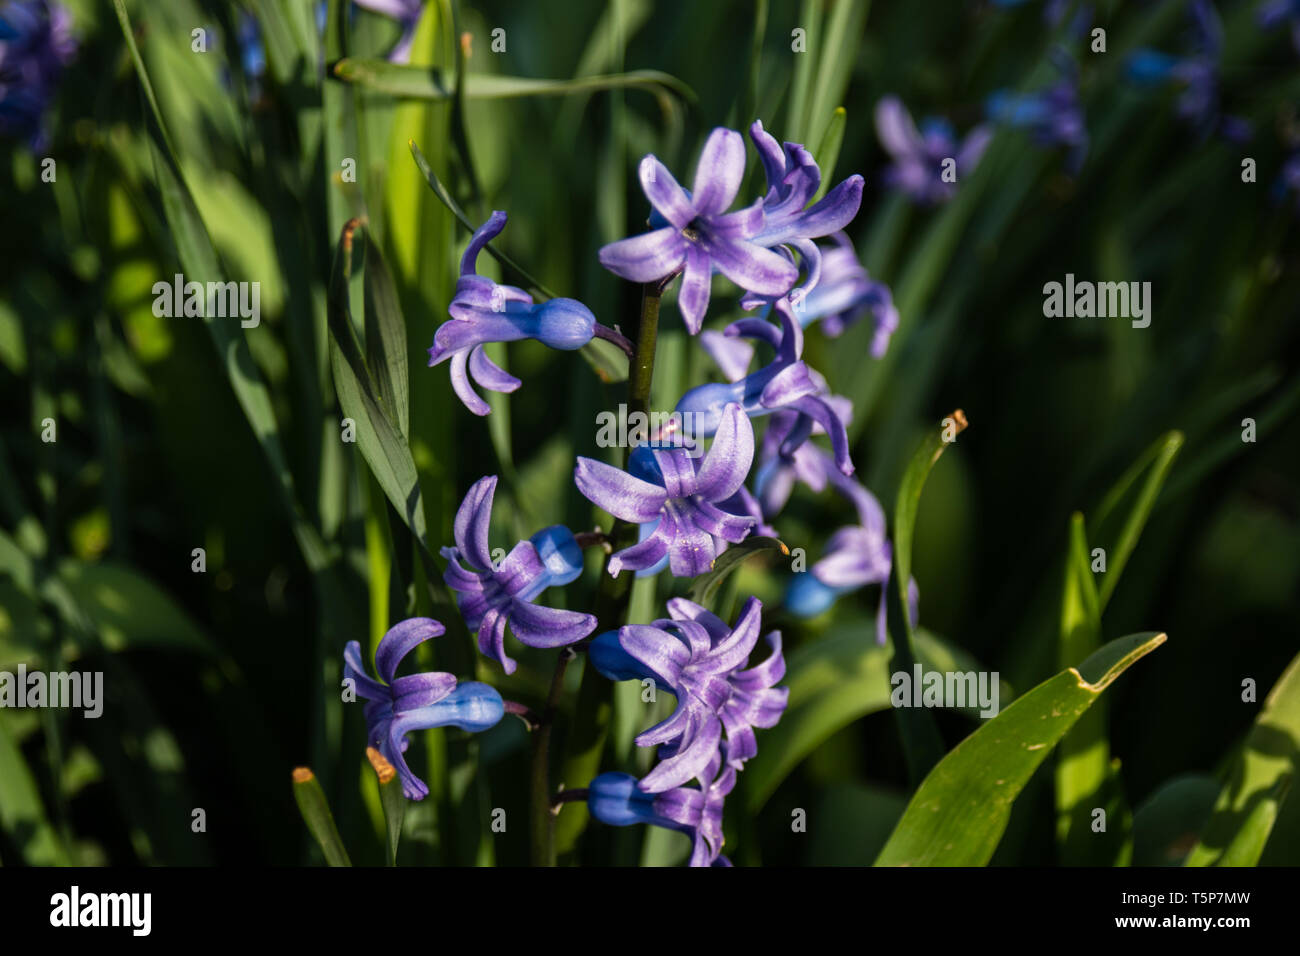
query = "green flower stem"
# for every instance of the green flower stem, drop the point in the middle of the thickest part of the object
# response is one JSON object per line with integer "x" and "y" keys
{"x": 586, "y": 737}
{"x": 543, "y": 818}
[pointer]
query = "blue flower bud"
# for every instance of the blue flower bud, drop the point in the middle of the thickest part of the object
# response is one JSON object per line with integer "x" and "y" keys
{"x": 807, "y": 597}
{"x": 614, "y": 799}
{"x": 564, "y": 324}
{"x": 559, "y": 551}
{"x": 606, "y": 654}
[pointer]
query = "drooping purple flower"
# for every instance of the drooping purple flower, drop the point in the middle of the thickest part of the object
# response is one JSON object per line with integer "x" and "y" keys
{"x": 699, "y": 234}
{"x": 36, "y": 44}
{"x": 793, "y": 179}
{"x": 407, "y": 15}
{"x": 617, "y": 800}
{"x": 679, "y": 493}
{"x": 1274, "y": 13}
{"x": 786, "y": 383}
{"x": 785, "y": 459}
{"x": 1052, "y": 116}
{"x": 699, "y": 659}
{"x": 492, "y": 596}
{"x": 920, "y": 156}
{"x": 1198, "y": 73}
{"x": 398, "y": 705}
{"x": 485, "y": 311}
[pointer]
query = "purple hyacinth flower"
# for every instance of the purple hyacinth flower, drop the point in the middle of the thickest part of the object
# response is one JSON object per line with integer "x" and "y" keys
{"x": 492, "y": 596}
{"x": 400, "y": 705}
{"x": 36, "y": 44}
{"x": 617, "y": 800}
{"x": 699, "y": 234}
{"x": 919, "y": 155}
{"x": 786, "y": 383}
{"x": 679, "y": 492}
{"x": 793, "y": 179}
{"x": 407, "y": 14}
{"x": 485, "y": 311}
{"x": 1052, "y": 116}
{"x": 699, "y": 659}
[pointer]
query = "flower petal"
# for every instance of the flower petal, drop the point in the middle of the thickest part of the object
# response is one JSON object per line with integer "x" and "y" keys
{"x": 648, "y": 257}
{"x": 547, "y": 626}
{"x": 727, "y": 463}
{"x": 473, "y": 517}
{"x": 617, "y": 492}
{"x": 489, "y": 375}
{"x": 664, "y": 193}
{"x": 719, "y": 171}
{"x": 400, "y": 640}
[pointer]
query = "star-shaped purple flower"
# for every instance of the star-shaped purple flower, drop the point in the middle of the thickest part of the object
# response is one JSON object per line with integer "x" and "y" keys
{"x": 485, "y": 311}
{"x": 700, "y": 234}
{"x": 679, "y": 492}
{"x": 400, "y": 705}
{"x": 491, "y": 596}
{"x": 699, "y": 659}
{"x": 919, "y": 155}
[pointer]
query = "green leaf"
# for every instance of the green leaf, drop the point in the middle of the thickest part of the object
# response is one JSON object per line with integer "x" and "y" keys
{"x": 1155, "y": 462}
{"x": 22, "y": 814}
{"x": 922, "y": 745}
{"x": 446, "y": 199}
{"x": 316, "y": 814}
{"x": 834, "y": 681}
{"x": 381, "y": 444}
{"x": 386, "y": 340}
{"x": 1248, "y": 845}
{"x": 127, "y": 610}
{"x": 424, "y": 83}
{"x": 959, "y": 813}
{"x": 1083, "y": 766}
{"x": 391, "y": 799}
{"x": 1258, "y": 774}
{"x": 829, "y": 151}
{"x": 705, "y": 587}
{"x": 1167, "y": 825}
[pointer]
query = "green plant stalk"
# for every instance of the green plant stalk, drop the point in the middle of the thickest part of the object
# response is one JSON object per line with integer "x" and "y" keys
{"x": 595, "y": 706}
{"x": 542, "y": 831}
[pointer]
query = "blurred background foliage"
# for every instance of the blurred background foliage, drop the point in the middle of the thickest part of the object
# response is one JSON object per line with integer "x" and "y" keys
{"x": 218, "y": 683}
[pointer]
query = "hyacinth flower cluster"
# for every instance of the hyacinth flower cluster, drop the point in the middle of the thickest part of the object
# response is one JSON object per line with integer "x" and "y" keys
{"x": 36, "y": 45}
{"x": 1197, "y": 73}
{"x": 678, "y": 500}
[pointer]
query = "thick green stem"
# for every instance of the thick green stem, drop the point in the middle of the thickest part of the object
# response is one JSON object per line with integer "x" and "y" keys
{"x": 586, "y": 738}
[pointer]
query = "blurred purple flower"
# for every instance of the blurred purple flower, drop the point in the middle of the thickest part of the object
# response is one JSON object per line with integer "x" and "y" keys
{"x": 1276, "y": 12}
{"x": 492, "y": 596}
{"x": 1052, "y": 116}
{"x": 400, "y": 705}
{"x": 698, "y": 658}
{"x": 485, "y": 311}
{"x": 1198, "y": 72}
{"x": 36, "y": 44}
{"x": 680, "y": 494}
{"x": 919, "y": 155}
